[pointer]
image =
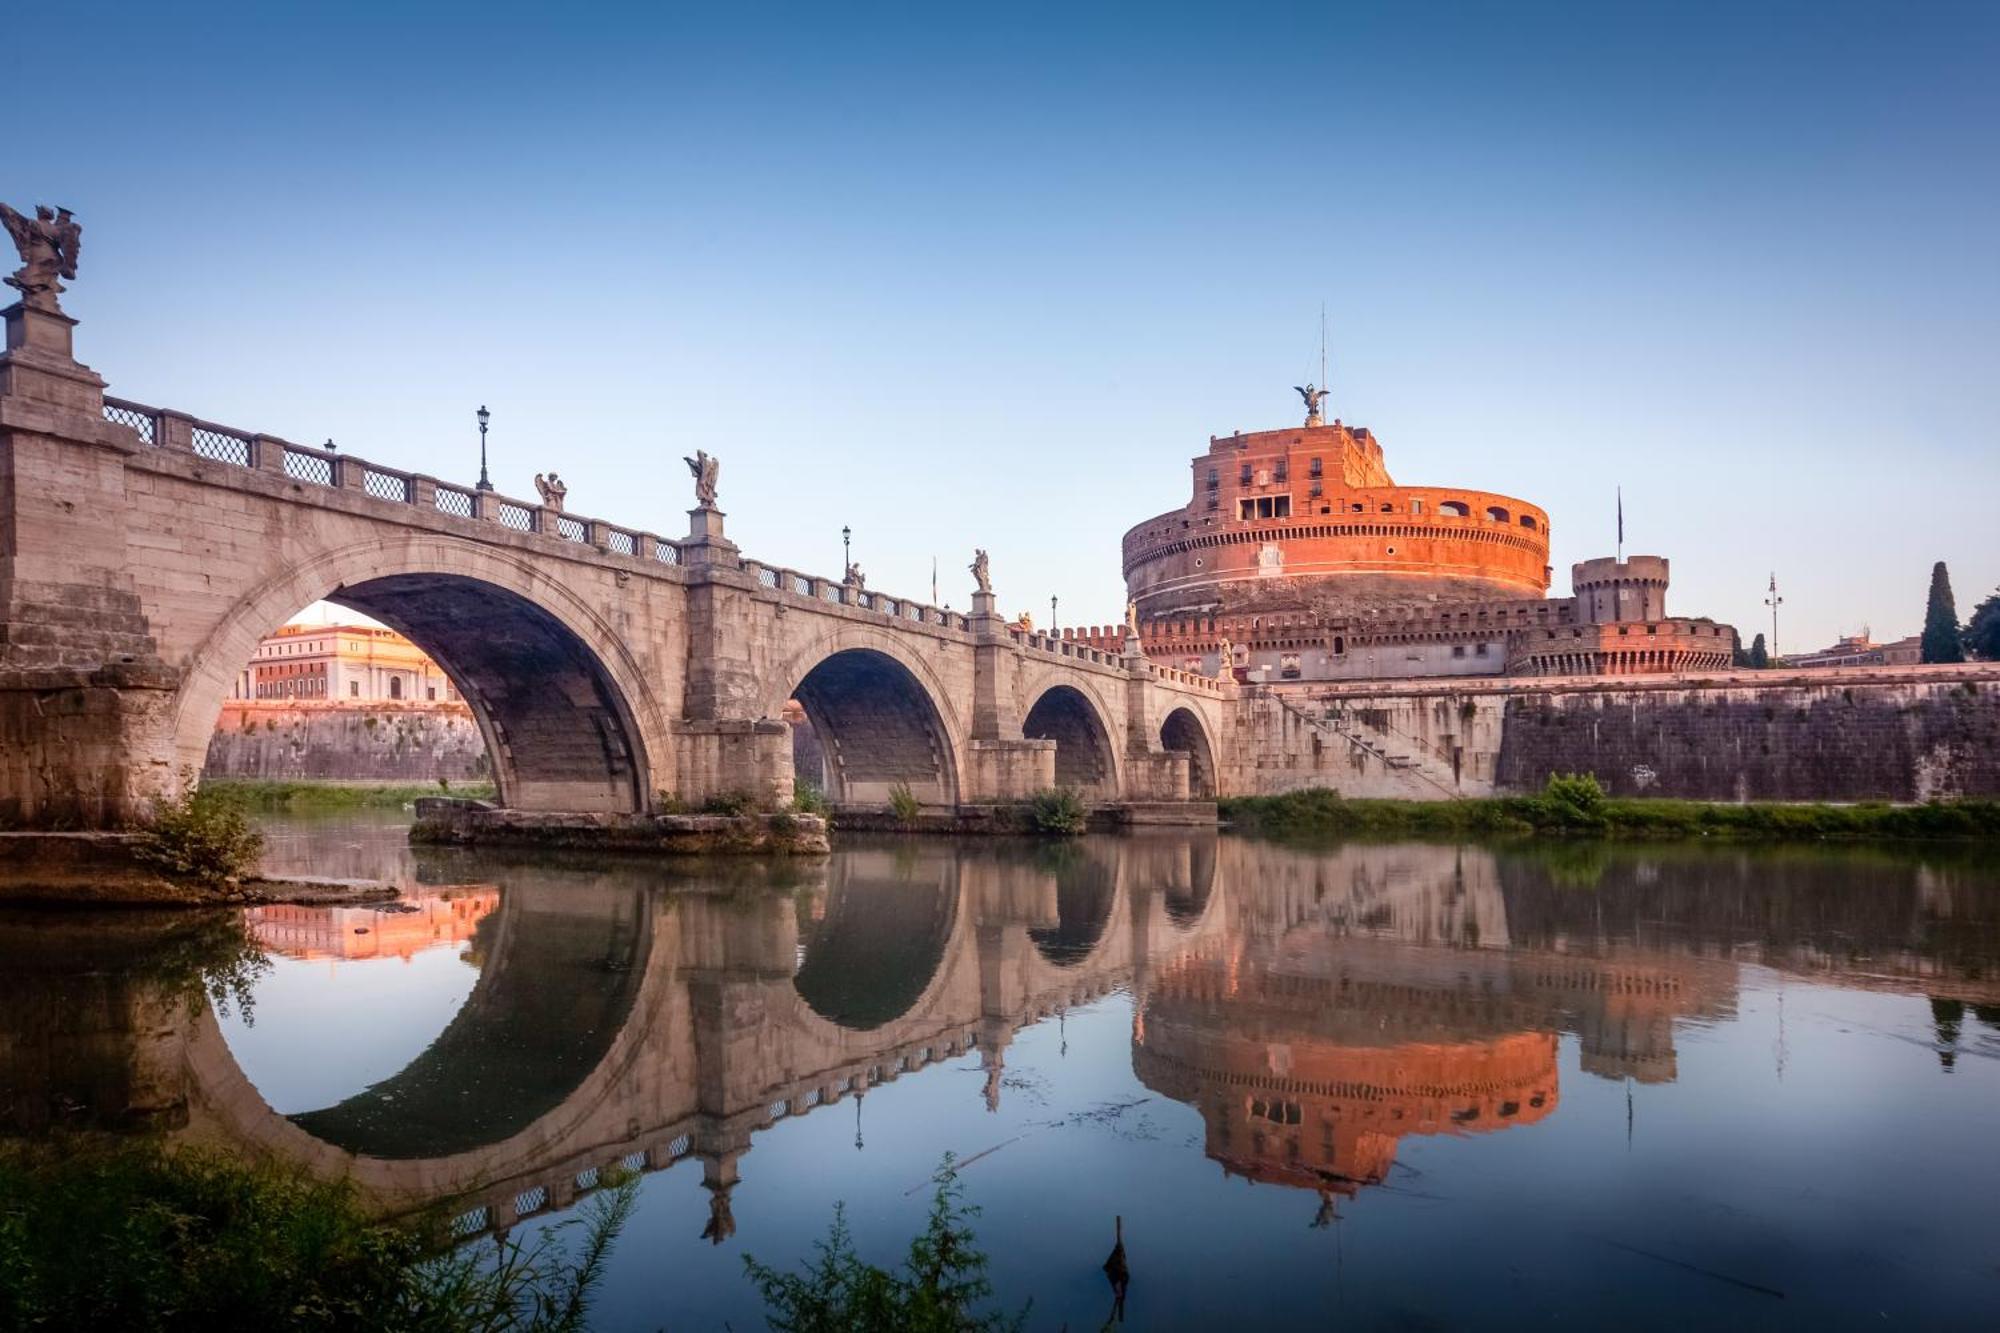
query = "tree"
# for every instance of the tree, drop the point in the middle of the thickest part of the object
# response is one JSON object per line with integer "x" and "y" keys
{"x": 1982, "y": 633}
{"x": 1760, "y": 656}
{"x": 1941, "y": 639}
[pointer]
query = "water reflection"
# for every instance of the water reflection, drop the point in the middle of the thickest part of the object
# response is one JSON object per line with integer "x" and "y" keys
{"x": 1320, "y": 1011}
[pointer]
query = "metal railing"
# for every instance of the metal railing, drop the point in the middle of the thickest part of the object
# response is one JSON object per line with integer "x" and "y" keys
{"x": 308, "y": 466}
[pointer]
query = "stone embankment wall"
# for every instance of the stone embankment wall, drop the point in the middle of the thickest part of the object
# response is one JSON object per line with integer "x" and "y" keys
{"x": 376, "y": 743}
{"x": 1839, "y": 734}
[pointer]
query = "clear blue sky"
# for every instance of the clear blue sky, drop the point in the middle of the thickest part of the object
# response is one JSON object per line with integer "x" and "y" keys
{"x": 961, "y": 276}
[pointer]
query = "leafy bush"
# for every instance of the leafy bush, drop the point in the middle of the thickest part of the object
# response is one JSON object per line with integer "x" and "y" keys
{"x": 203, "y": 834}
{"x": 905, "y": 805}
{"x": 938, "y": 1289}
{"x": 123, "y": 1234}
{"x": 1057, "y": 810}
{"x": 731, "y": 803}
{"x": 810, "y": 800}
{"x": 667, "y": 803}
{"x": 1572, "y": 800}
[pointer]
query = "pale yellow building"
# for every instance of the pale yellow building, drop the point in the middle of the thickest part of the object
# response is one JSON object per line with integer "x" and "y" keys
{"x": 342, "y": 664}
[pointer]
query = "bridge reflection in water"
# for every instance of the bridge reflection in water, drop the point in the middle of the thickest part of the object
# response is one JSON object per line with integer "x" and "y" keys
{"x": 1317, "y": 1008}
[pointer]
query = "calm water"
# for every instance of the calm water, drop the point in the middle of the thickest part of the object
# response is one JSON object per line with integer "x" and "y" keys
{"x": 1412, "y": 1086}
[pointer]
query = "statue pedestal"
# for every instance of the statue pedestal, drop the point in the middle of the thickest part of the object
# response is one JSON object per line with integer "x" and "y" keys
{"x": 706, "y": 544}
{"x": 39, "y": 362}
{"x": 985, "y": 604}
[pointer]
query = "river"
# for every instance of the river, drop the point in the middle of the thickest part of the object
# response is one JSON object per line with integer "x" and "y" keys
{"x": 1417, "y": 1085}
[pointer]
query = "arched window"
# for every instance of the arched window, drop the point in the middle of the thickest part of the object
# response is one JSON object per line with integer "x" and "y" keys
{"x": 1528, "y": 521}
{"x": 1454, "y": 509}
{"x": 1497, "y": 514}
{"x": 395, "y": 687}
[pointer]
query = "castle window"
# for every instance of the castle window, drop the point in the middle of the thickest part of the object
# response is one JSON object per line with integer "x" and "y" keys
{"x": 1458, "y": 650}
{"x": 1455, "y": 509}
{"x": 1246, "y": 508}
{"x": 1416, "y": 506}
{"x": 1481, "y": 650}
{"x": 1497, "y": 514}
{"x": 1214, "y": 478}
{"x": 1318, "y": 468}
{"x": 354, "y": 689}
{"x": 1528, "y": 521}
{"x": 1388, "y": 509}
{"x": 1358, "y": 508}
{"x": 1284, "y": 470}
{"x": 1282, "y": 507}
{"x": 1243, "y": 476}
{"x": 1317, "y": 489}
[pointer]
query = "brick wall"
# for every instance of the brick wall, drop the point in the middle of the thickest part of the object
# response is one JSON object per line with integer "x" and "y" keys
{"x": 374, "y": 744}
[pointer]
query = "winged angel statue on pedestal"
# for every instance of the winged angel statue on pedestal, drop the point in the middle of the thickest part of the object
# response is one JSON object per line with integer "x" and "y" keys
{"x": 49, "y": 243}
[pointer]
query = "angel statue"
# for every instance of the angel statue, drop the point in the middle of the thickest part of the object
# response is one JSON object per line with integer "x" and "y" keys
{"x": 705, "y": 467}
{"x": 48, "y": 242}
{"x": 1314, "y": 397}
{"x": 855, "y": 578}
{"x": 552, "y": 490}
{"x": 982, "y": 574}
{"x": 1225, "y": 661}
{"x": 1132, "y": 619}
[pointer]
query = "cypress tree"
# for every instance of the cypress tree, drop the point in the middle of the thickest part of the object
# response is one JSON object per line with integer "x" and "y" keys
{"x": 1941, "y": 637}
{"x": 1760, "y": 656}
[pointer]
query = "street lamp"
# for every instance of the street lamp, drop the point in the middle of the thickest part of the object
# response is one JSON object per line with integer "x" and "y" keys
{"x": 485, "y": 484}
{"x": 846, "y": 549}
{"x": 1052, "y": 614}
{"x": 1774, "y": 602}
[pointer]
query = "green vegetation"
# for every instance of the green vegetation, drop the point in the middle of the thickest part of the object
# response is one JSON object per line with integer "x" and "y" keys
{"x": 732, "y": 803}
{"x": 1941, "y": 642}
{"x": 123, "y": 1234}
{"x": 810, "y": 800}
{"x": 270, "y": 796}
{"x": 1577, "y": 805}
{"x": 203, "y": 834}
{"x": 938, "y": 1289}
{"x": 1057, "y": 810}
{"x": 1982, "y": 633}
{"x": 903, "y": 803}
{"x": 1757, "y": 657}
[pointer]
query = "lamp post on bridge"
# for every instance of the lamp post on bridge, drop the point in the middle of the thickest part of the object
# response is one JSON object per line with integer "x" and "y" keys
{"x": 485, "y": 483}
{"x": 1052, "y": 615}
{"x": 846, "y": 549}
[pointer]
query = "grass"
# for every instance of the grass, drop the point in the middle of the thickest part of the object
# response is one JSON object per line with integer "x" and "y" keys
{"x": 100, "y": 1233}
{"x": 269, "y": 796}
{"x": 1573, "y": 806}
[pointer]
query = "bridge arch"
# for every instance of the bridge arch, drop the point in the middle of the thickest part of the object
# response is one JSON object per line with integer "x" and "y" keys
{"x": 1087, "y": 761}
{"x": 568, "y": 715}
{"x": 1184, "y": 730}
{"x": 881, "y": 714}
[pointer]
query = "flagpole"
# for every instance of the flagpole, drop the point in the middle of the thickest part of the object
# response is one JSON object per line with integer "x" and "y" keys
{"x": 1621, "y": 525}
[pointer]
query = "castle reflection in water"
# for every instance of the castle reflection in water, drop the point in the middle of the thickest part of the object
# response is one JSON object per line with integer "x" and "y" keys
{"x": 1317, "y": 1008}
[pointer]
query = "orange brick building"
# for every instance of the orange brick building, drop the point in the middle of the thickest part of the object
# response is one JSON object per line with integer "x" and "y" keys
{"x": 1300, "y": 558}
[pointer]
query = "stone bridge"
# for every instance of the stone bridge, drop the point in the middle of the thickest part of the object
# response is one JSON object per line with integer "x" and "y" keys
{"x": 147, "y": 551}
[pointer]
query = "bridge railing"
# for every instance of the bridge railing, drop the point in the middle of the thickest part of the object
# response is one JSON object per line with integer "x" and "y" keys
{"x": 836, "y": 592}
{"x": 1063, "y": 647}
{"x": 325, "y": 467}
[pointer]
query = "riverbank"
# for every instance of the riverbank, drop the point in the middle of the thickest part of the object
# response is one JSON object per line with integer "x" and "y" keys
{"x": 302, "y": 797}
{"x": 72, "y": 870}
{"x": 1565, "y": 811}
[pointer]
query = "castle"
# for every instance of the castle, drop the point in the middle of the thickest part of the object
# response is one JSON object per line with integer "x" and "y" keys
{"x": 1300, "y": 558}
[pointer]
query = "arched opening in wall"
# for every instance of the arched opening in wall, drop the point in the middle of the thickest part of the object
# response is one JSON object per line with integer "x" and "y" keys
{"x": 1183, "y": 731}
{"x": 869, "y": 949}
{"x": 1085, "y": 891}
{"x": 476, "y": 1066}
{"x": 1084, "y": 761}
{"x": 438, "y": 677}
{"x": 1498, "y": 514}
{"x": 1454, "y": 508}
{"x": 1528, "y": 521}
{"x": 876, "y": 730}
{"x": 1188, "y": 898}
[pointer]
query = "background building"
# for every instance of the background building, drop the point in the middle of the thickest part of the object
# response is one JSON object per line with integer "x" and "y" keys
{"x": 1300, "y": 558}
{"x": 343, "y": 664}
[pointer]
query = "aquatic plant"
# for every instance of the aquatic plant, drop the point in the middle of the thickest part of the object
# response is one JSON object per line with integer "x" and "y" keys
{"x": 939, "y": 1288}
{"x": 903, "y": 803}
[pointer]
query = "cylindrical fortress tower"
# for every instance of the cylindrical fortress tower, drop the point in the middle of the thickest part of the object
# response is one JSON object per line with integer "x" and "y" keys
{"x": 1309, "y": 519}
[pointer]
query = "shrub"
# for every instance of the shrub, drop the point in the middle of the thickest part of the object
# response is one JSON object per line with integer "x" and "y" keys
{"x": 810, "y": 800}
{"x": 1057, "y": 810}
{"x": 667, "y": 803}
{"x": 731, "y": 803}
{"x": 126, "y": 1234}
{"x": 1573, "y": 800}
{"x": 940, "y": 1286}
{"x": 904, "y": 804}
{"x": 203, "y": 834}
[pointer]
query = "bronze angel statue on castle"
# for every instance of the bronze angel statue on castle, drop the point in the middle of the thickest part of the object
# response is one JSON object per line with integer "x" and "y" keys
{"x": 49, "y": 243}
